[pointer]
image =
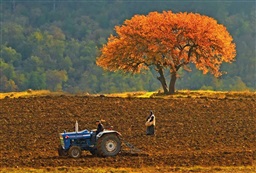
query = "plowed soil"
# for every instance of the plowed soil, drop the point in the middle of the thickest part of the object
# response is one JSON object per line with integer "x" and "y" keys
{"x": 189, "y": 131}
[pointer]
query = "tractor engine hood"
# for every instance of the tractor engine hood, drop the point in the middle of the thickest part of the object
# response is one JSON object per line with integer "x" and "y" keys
{"x": 83, "y": 134}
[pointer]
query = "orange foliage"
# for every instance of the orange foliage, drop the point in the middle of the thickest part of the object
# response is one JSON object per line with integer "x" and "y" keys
{"x": 169, "y": 40}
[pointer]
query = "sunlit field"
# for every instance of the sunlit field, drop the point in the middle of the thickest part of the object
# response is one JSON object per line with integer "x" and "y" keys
{"x": 197, "y": 169}
{"x": 141, "y": 94}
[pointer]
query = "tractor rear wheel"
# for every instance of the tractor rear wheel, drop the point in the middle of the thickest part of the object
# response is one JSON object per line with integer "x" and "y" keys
{"x": 108, "y": 145}
{"x": 74, "y": 152}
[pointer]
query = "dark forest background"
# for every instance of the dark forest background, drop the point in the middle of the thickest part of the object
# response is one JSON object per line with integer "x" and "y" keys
{"x": 53, "y": 44}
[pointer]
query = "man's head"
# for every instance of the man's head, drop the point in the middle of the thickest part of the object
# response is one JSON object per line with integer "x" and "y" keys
{"x": 97, "y": 121}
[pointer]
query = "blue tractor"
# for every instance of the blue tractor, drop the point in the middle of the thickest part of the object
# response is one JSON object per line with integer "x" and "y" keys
{"x": 106, "y": 143}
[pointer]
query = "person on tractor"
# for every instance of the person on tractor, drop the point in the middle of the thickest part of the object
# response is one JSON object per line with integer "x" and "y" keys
{"x": 100, "y": 127}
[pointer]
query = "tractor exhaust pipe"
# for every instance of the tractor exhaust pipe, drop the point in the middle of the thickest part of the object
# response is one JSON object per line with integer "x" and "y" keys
{"x": 76, "y": 127}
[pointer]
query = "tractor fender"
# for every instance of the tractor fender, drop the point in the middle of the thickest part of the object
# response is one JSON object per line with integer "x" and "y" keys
{"x": 108, "y": 132}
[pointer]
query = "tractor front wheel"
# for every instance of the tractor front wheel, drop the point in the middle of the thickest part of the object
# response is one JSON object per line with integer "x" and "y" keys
{"x": 74, "y": 152}
{"x": 108, "y": 145}
{"x": 62, "y": 152}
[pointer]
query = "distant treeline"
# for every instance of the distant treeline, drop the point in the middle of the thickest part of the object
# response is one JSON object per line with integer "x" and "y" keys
{"x": 54, "y": 45}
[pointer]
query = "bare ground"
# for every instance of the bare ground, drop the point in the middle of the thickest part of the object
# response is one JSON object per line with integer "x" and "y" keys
{"x": 189, "y": 131}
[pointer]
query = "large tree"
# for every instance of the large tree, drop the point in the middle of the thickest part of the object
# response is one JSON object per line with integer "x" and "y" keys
{"x": 168, "y": 41}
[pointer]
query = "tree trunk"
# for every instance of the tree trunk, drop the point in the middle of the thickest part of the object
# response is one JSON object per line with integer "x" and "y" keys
{"x": 162, "y": 80}
{"x": 172, "y": 83}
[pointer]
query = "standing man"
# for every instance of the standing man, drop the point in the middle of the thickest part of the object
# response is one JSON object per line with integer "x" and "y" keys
{"x": 150, "y": 124}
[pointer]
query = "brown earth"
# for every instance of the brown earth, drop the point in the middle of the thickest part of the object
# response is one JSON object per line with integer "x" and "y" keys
{"x": 189, "y": 131}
